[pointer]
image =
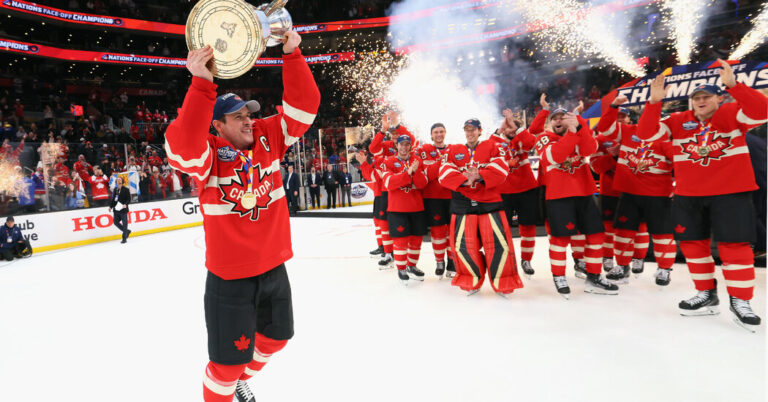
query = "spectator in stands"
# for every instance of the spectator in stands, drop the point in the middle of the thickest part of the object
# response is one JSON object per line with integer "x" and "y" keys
{"x": 144, "y": 182}
{"x": 56, "y": 194}
{"x": 172, "y": 182}
{"x": 12, "y": 242}
{"x": 89, "y": 152}
{"x": 346, "y": 185}
{"x": 157, "y": 185}
{"x": 74, "y": 199}
{"x": 331, "y": 183}
{"x": 82, "y": 167}
{"x": 314, "y": 180}
{"x": 62, "y": 171}
{"x": 18, "y": 113}
{"x": 99, "y": 187}
{"x": 132, "y": 166}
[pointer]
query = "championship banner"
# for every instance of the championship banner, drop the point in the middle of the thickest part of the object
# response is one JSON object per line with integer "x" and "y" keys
{"x": 680, "y": 82}
{"x": 178, "y": 29}
{"x": 132, "y": 59}
{"x": 90, "y": 19}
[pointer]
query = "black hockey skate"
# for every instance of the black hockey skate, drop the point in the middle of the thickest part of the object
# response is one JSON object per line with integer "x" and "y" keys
{"x": 527, "y": 268}
{"x": 662, "y": 276}
{"x": 745, "y": 317}
{"x": 619, "y": 274}
{"x": 596, "y": 284}
{"x": 637, "y": 266}
{"x": 704, "y": 303}
{"x": 377, "y": 252}
{"x": 243, "y": 392}
{"x": 607, "y": 264}
{"x": 404, "y": 279}
{"x": 450, "y": 269}
{"x": 386, "y": 261}
{"x": 415, "y": 273}
{"x": 580, "y": 266}
{"x": 562, "y": 286}
{"x": 440, "y": 269}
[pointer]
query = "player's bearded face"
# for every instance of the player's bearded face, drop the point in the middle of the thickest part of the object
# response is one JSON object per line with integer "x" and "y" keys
{"x": 472, "y": 133}
{"x": 438, "y": 135}
{"x": 237, "y": 128}
{"x": 558, "y": 127}
{"x": 705, "y": 103}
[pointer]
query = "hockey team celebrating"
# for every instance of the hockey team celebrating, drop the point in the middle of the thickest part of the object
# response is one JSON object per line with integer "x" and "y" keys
{"x": 685, "y": 177}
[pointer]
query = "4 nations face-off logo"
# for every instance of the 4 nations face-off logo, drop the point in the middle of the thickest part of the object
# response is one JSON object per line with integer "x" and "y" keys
{"x": 262, "y": 187}
{"x": 716, "y": 149}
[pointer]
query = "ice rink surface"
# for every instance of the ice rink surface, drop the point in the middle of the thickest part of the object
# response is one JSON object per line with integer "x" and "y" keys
{"x": 124, "y": 322}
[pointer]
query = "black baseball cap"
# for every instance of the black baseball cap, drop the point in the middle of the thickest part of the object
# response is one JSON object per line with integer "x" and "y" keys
{"x": 558, "y": 111}
{"x": 231, "y": 103}
{"x": 708, "y": 88}
{"x": 9, "y": 219}
{"x": 474, "y": 123}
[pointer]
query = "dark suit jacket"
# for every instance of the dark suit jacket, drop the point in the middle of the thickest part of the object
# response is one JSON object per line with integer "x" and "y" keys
{"x": 292, "y": 184}
{"x": 124, "y": 197}
{"x": 318, "y": 179}
{"x": 330, "y": 179}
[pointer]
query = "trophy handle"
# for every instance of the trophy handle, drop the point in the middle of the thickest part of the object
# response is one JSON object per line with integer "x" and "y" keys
{"x": 274, "y": 6}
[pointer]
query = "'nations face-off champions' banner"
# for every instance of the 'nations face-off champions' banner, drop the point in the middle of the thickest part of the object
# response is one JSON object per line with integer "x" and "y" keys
{"x": 33, "y": 49}
{"x": 680, "y": 82}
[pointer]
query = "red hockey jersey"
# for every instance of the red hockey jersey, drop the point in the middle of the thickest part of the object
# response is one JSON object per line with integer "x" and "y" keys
{"x": 100, "y": 187}
{"x": 243, "y": 242}
{"x": 725, "y": 168}
{"x": 491, "y": 166}
{"x": 563, "y": 162}
{"x": 380, "y": 146}
{"x": 432, "y": 158}
{"x": 368, "y": 174}
{"x": 644, "y": 167}
{"x": 604, "y": 164}
{"x": 516, "y": 150}
{"x": 404, "y": 189}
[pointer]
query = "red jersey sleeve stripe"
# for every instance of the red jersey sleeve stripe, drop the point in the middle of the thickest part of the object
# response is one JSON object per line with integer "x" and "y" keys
{"x": 743, "y": 118}
{"x": 298, "y": 114}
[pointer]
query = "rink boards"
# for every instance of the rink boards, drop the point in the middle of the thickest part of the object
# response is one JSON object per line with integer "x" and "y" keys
{"x": 56, "y": 230}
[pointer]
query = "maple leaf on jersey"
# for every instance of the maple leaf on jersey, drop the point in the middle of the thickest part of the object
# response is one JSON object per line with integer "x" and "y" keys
{"x": 679, "y": 228}
{"x": 437, "y": 217}
{"x": 242, "y": 343}
{"x": 262, "y": 186}
{"x": 622, "y": 219}
{"x": 570, "y": 226}
{"x": 650, "y": 161}
{"x": 717, "y": 150}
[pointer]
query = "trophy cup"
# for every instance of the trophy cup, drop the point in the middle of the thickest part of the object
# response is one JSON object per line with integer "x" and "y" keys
{"x": 237, "y": 31}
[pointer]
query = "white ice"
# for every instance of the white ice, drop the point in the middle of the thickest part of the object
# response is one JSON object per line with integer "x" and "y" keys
{"x": 124, "y": 322}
